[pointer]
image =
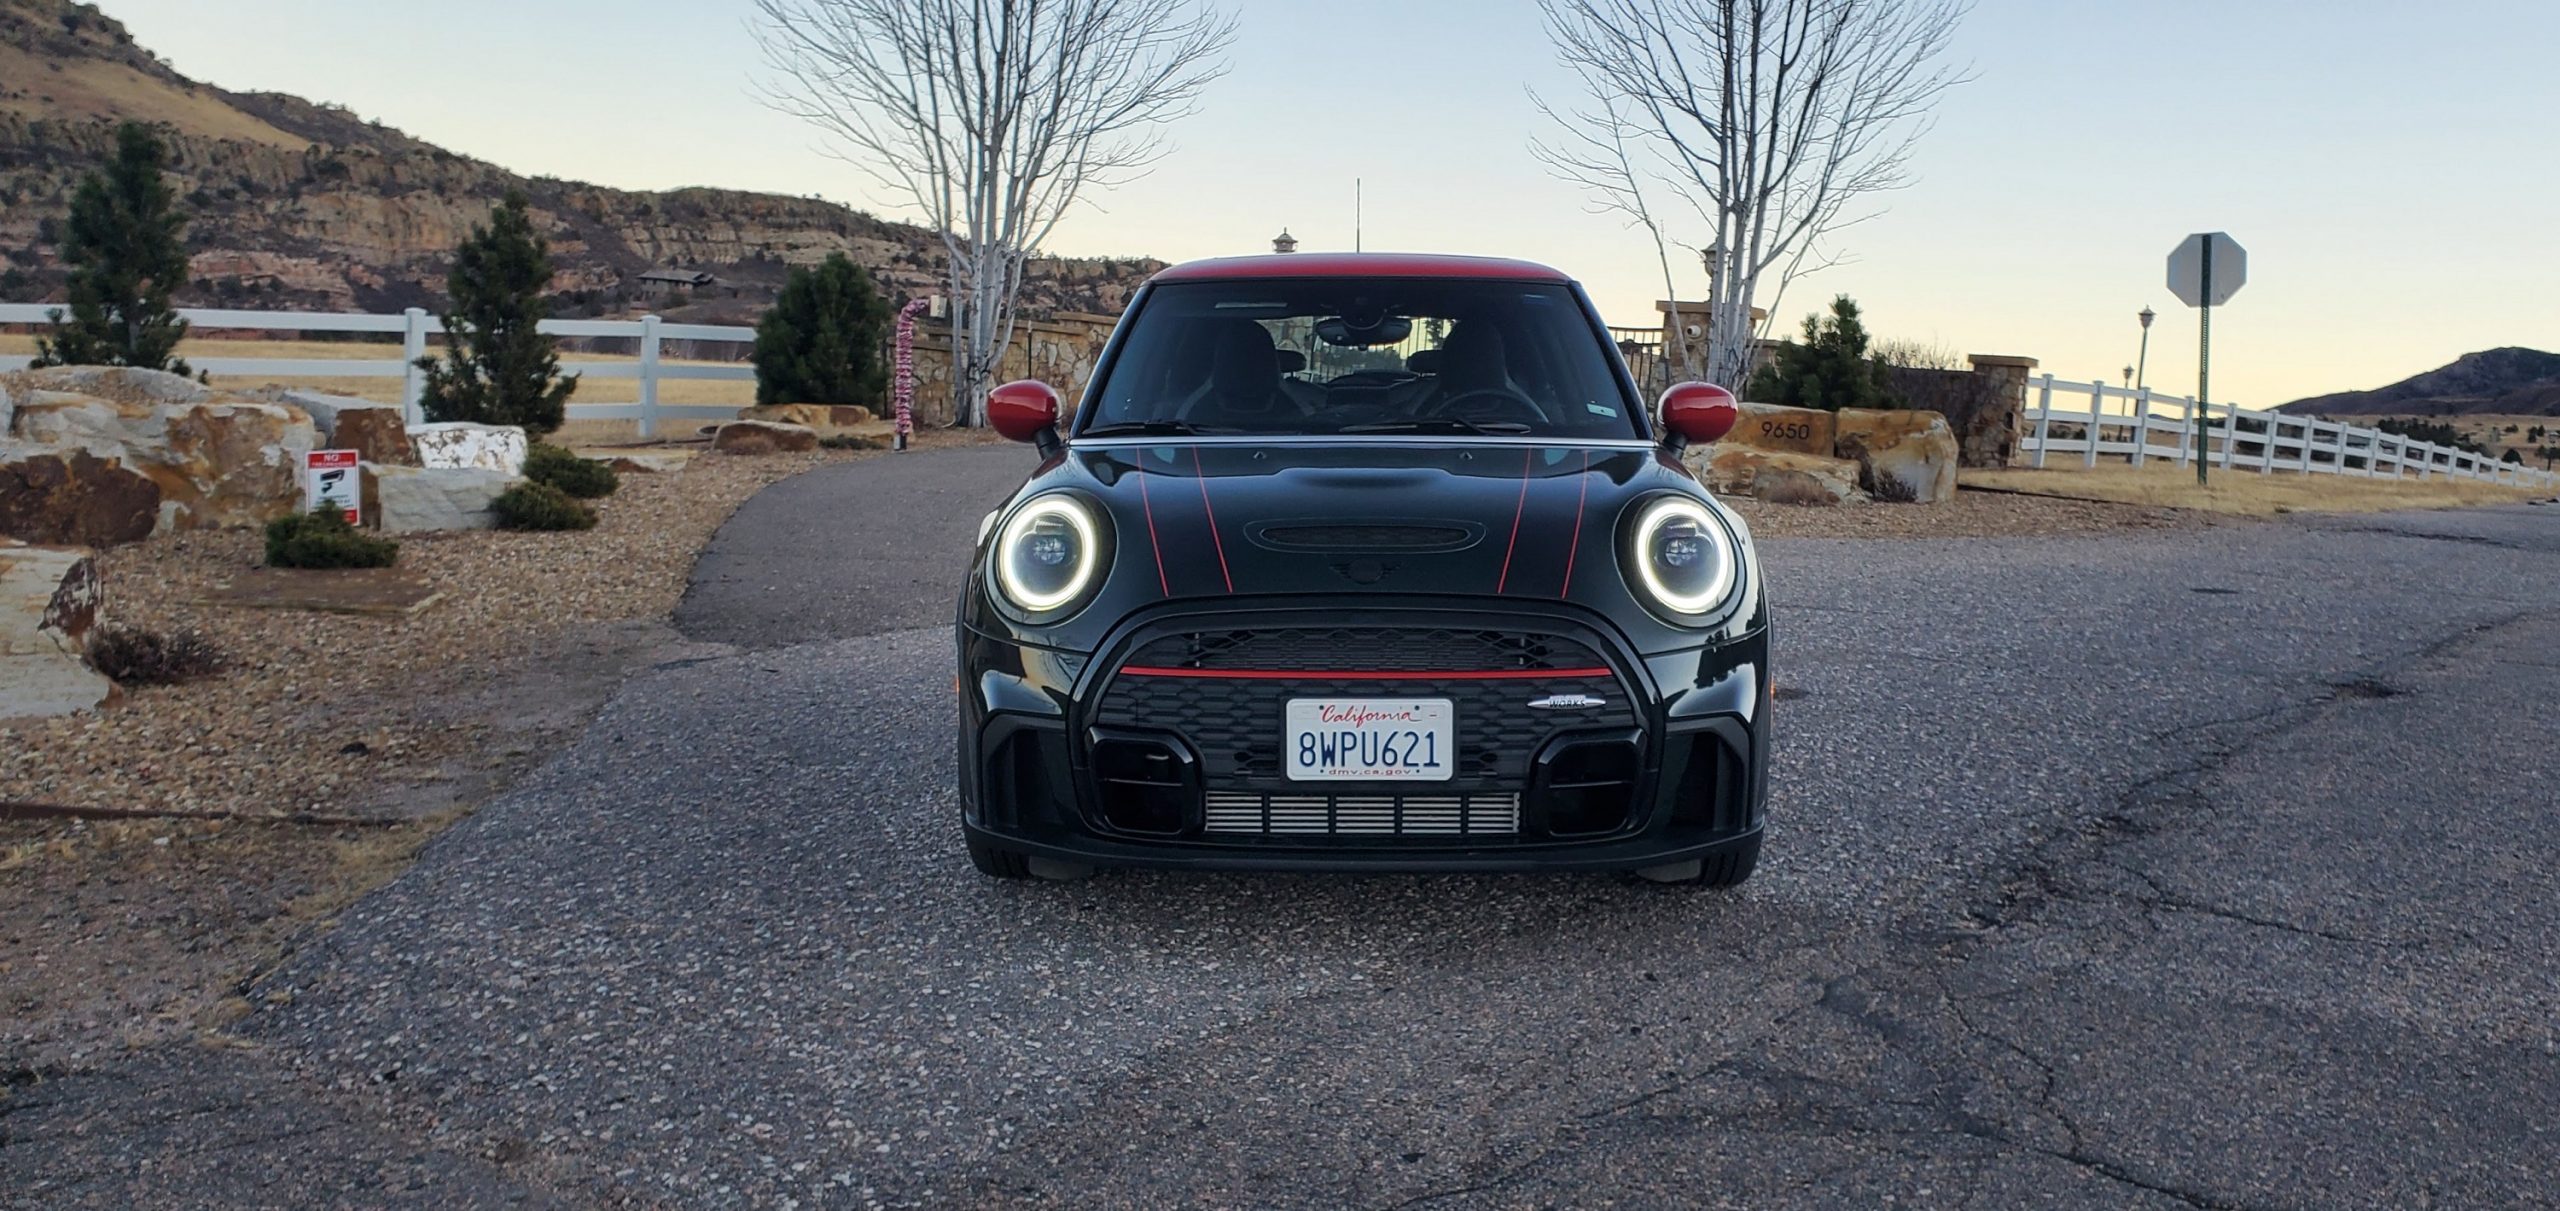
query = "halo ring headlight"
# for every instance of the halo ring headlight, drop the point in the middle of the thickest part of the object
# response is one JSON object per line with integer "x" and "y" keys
{"x": 1048, "y": 554}
{"x": 1682, "y": 557}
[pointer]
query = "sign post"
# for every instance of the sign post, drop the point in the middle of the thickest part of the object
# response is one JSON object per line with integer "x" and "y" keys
{"x": 2205, "y": 272}
{"x": 329, "y": 478}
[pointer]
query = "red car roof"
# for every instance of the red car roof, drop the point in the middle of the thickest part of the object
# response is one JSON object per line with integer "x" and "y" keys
{"x": 1359, "y": 265}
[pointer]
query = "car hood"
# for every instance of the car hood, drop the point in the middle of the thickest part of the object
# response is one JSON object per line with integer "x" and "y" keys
{"x": 1204, "y": 519}
{"x": 1529, "y": 520}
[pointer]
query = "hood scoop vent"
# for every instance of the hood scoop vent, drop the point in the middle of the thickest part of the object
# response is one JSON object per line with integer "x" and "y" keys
{"x": 1415, "y": 538}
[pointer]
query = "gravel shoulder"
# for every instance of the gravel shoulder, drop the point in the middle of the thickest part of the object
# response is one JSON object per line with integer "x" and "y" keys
{"x": 126, "y": 933}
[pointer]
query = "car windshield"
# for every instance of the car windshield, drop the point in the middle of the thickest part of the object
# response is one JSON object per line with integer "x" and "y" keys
{"x": 1363, "y": 355}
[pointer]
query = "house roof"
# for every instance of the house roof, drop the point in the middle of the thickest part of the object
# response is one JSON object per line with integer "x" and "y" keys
{"x": 681, "y": 277}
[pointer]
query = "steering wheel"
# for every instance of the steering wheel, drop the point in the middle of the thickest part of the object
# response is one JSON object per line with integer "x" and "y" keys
{"x": 1492, "y": 404}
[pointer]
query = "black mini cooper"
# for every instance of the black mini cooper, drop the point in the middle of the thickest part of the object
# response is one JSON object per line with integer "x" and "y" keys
{"x": 1364, "y": 562}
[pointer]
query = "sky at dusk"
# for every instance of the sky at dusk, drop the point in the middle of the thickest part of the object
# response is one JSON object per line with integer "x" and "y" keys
{"x": 2387, "y": 166}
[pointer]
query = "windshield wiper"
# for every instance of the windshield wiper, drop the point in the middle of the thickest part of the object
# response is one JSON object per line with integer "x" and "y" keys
{"x": 1154, "y": 428}
{"x": 1440, "y": 424}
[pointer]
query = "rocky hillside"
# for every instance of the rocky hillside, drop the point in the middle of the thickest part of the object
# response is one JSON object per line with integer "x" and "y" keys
{"x": 2505, "y": 382}
{"x": 297, "y": 204}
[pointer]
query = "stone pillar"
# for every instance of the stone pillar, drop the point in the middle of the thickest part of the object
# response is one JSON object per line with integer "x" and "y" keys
{"x": 1989, "y": 437}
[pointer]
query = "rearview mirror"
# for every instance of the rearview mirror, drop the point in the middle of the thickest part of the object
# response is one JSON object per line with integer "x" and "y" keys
{"x": 1026, "y": 410}
{"x": 1384, "y": 330}
{"x": 1697, "y": 413}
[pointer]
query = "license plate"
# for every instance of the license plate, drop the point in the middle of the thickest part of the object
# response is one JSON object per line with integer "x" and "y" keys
{"x": 1339, "y": 739}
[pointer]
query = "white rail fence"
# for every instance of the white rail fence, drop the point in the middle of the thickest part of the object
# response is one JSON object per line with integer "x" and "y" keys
{"x": 2085, "y": 422}
{"x": 414, "y": 327}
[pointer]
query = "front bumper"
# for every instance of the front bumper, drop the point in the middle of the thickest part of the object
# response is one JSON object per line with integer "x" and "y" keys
{"x": 1078, "y": 759}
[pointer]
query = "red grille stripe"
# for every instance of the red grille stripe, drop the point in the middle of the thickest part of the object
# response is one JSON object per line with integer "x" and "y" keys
{"x": 1141, "y": 670}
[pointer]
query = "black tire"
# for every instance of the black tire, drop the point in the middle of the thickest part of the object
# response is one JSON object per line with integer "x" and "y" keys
{"x": 998, "y": 863}
{"x": 1726, "y": 868}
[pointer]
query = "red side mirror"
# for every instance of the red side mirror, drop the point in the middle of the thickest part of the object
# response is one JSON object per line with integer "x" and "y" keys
{"x": 1025, "y": 411}
{"x": 1698, "y": 413}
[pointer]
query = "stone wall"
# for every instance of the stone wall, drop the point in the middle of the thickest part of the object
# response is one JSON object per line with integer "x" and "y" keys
{"x": 1060, "y": 351}
{"x": 1983, "y": 405}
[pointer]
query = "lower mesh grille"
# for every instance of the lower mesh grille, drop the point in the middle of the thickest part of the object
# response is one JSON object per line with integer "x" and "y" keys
{"x": 1492, "y": 815}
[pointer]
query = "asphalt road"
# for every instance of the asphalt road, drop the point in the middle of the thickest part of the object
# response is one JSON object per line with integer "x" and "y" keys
{"x": 2184, "y": 869}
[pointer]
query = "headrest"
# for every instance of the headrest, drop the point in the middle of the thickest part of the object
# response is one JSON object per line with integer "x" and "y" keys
{"x": 1423, "y": 361}
{"x": 1292, "y": 361}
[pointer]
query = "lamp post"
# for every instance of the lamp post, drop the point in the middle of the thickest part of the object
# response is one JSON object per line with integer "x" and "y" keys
{"x": 2142, "y": 364}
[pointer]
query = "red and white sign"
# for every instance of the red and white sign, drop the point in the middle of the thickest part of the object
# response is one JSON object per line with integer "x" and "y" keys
{"x": 329, "y": 478}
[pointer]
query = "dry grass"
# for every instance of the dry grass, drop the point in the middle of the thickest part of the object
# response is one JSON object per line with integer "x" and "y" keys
{"x": 737, "y": 394}
{"x": 1969, "y": 515}
{"x": 2249, "y": 492}
{"x": 94, "y": 88}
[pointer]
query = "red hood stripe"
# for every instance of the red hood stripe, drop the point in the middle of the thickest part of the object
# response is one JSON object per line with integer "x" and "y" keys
{"x": 1162, "y": 582}
{"x": 1574, "y": 548}
{"x": 1528, "y": 462}
{"x": 1206, "y": 507}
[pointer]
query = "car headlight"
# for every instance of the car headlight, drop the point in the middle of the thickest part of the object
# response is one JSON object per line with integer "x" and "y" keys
{"x": 1681, "y": 558}
{"x": 1049, "y": 555}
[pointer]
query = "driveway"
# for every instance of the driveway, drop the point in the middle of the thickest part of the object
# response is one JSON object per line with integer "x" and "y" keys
{"x": 2177, "y": 869}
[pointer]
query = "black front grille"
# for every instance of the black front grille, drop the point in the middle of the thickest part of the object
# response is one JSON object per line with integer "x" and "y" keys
{"x": 1234, "y": 723}
{"x": 1365, "y": 538}
{"x": 1366, "y": 649}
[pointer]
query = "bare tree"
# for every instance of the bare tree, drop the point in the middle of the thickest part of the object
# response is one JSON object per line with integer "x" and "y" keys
{"x": 1768, "y": 120}
{"x": 991, "y": 118}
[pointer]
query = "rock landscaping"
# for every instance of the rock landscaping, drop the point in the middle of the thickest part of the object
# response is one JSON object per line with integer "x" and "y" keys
{"x": 460, "y": 444}
{"x": 321, "y": 712}
{"x": 410, "y": 500}
{"x": 1902, "y": 455}
{"x": 377, "y": 431}
{"x": 1806, "y": 456}
{"x": 49, "y": 604}
{"x": 216, "y": 460}
{"x": 764, "y": 437}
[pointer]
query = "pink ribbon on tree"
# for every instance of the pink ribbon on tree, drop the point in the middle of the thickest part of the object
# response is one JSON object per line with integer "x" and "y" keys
{"x": 904, "y": 393}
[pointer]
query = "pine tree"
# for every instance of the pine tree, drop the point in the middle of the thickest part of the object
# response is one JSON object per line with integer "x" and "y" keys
{"x": 499, "y": 368}
{"x": 821, "y": 342}
{"x": 124, "y": 243}
{"x": 1829, "y": 369}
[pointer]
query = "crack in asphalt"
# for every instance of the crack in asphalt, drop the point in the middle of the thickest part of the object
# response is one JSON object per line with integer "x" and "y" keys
{"x": 1953, "y": 1075}
{"x": 2472, "y": 540}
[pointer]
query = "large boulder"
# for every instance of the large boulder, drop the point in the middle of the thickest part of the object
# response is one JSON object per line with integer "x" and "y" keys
{"x": 763, "y": 437}
{"x": 50, "y": 599}
{"x": 1781, "y": 428}
{"x": 122, "y": 384}
{"x": 1776, "y": 475}
{"x": 404, "y": 500}
{"x": 8, "y": 408}
{"x": 458, "y": 444}
{"x": 1903, "y": 455}
{"x": 75, "y": 498}
{"x": 821, "y": 417}
{"x": 217, "y": 462}
{"x": 376, "y": 431}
